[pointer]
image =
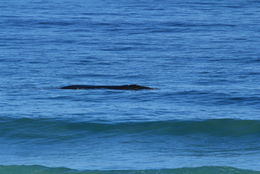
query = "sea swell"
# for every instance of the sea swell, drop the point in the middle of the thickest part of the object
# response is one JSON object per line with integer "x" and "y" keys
{"x": 43, "y": 128}
{"x": 35, "y": 169}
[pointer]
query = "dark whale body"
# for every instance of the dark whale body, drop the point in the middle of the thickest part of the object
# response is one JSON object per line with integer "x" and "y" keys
{"x": 123, "y": 87}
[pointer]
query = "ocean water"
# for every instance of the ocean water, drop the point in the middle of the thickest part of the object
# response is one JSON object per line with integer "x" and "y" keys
{"x": 203, "y": 55}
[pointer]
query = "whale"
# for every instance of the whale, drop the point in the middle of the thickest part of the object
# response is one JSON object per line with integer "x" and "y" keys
{"x": 120, "y": 87}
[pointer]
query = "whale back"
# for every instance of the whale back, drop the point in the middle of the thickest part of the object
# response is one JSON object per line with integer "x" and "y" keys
{"x": 122, "y": 87}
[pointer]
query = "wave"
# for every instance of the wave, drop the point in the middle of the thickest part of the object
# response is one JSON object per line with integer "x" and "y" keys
{"x": 41, "y": 128}
{"x": 36, "y": 169}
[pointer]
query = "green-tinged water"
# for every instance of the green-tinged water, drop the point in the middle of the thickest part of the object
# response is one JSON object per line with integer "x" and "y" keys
{"x": 198, "y": 170}
{"x": 52, "y": 128}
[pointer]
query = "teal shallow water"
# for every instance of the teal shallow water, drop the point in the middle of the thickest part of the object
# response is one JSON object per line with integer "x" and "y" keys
{"x": 130, "y": 145}
{"x": 198, "y": 170}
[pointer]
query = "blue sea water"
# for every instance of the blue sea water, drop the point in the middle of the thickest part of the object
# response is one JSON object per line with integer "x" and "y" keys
{"x": 203, "y": 55}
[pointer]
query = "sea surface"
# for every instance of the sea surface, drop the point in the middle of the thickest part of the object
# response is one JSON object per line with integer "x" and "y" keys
{"x": 202, "y": 55}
